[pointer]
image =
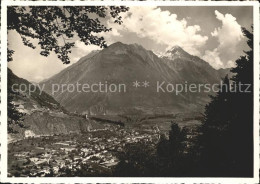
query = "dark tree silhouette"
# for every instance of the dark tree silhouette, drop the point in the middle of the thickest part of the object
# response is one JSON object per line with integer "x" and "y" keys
{"x": 227, "y": 131}
{"x": 215, "y": 133}
{"x": 54, "y": 26}
{"x": 242, "y": 124}
{"x": 137, "y": 160}
{"x": 170, "y": 153}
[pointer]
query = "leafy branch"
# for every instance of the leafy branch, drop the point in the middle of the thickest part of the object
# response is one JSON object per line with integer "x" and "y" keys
{"x": 50, "y": 24}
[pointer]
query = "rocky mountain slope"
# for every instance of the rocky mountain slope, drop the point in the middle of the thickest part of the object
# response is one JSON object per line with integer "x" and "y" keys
{"x": 191, "y": 68}
{"x": 42, "y": 115}
{"x": 125, "y": 64}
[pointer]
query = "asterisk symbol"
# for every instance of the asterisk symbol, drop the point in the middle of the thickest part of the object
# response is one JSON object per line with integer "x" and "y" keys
{"x": 145, "y": 84}
{"x": 136, "y": 84}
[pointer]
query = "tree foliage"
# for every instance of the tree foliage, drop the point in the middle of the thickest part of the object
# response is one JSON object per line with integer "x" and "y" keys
{"x": 137, "y": 160}
{"x": 171, "y": 152}
{"x": 227, "y": 131}
{"x": 15, "y": 118}
{"x": 54, "y": 27}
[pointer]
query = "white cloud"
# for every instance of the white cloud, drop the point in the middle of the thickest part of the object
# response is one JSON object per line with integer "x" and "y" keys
{"x": 162, "y": 27}
{"x": 213, "y": 58}
{"x": 230, "y": 64}
{"x": 82, "y": 50}
{"x": 229, "y": 35}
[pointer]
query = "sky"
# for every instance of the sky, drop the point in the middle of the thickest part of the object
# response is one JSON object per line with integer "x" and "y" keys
{"x": 212, "y": 33}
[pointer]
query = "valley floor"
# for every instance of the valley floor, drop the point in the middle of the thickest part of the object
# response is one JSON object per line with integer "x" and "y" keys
{"x": 60, "y": 154}
{"x": 93, "y": 153}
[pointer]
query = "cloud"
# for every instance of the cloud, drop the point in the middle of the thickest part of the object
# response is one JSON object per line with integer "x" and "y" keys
{"x": 229, "y": 36}
{"x": 81, "y": 50}
{"x": 162, "y": 27}
{"x": 213, "y": 58}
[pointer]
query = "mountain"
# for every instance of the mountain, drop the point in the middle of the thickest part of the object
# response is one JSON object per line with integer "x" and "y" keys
{"x": 124, "y": 64}
{"x": 192, "y": 68}
{"x": 42, "y": 114}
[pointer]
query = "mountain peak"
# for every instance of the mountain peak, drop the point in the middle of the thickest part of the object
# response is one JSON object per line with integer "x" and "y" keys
{"x": 176, "y": 52}
{"x": 122, "y": 48}
{"x": 176, "y": 47}
{"x": 120, "y": 44}
{"x": 116, "y": 44}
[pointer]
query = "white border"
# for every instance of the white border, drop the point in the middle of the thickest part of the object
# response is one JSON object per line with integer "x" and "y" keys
{"x": 3, "y": 139}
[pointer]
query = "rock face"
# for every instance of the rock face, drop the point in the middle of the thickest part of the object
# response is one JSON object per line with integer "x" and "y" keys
{"x": 42, "y": 115}
{"x": 125, "y": 64}
{"x": 49, "y": 123}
